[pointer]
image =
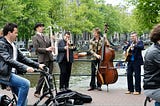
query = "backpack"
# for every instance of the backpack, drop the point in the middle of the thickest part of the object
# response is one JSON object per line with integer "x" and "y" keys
{"x": 5, "y": 100}
{"x": 71, "y": 98}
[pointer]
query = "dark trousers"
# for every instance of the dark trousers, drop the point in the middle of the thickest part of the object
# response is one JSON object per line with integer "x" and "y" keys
{"x": 94, "y": 69}
{"x": 135, "y": 68}
{"x": 65, "y": 73}
{"x": 41, "y": 80}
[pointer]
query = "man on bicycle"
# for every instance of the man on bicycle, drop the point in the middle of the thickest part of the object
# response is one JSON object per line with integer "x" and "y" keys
{"x": 12, "y": 62}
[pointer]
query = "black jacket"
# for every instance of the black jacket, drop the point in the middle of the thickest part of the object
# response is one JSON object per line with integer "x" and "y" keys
{"x": 137, "y": 52}
{"x": 7, "y": 62}
{"x": 62, "y": 52}
{"x": 152, "y": 67}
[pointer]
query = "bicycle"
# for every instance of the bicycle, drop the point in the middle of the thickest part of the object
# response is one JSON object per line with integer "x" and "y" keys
{"x": 47, "y": 77}
{"x": 50, "y": 101}
{"x": 7, "y": 101}
{"x": 148, "y": 99}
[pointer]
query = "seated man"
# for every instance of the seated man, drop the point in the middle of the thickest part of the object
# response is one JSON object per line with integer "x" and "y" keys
{"x": 12, "y": 61}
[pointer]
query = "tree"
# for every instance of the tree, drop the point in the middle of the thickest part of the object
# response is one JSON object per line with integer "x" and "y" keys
{"x": 9, "y": 12}
{"x": 146, "y": 13}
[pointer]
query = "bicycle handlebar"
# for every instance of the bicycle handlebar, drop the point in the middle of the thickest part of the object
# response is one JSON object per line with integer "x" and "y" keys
{"x": 45, "y": 70}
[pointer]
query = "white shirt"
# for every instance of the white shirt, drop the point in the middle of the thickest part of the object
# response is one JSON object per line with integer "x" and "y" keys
{"x": 14, "y": 54}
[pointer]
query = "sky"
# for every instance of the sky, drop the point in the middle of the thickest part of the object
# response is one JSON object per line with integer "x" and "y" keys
{"x": 117, "y": 2}
{"x": 114, "y": 2}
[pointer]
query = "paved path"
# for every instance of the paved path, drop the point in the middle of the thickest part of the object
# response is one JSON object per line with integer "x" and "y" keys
{"x": 115, "y": 96}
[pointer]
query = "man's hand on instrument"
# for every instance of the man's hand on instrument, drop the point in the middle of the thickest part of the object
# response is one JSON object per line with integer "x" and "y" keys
{"x": 98, "y": 56}
{"x": 50, "y": 49}
{"x": 66, "y": 47}
{"x": 53, "y": 37}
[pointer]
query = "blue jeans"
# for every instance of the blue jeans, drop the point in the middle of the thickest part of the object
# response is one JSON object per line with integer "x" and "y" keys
{"x": 20, "y": 86}
{"x": 157, "y": 103}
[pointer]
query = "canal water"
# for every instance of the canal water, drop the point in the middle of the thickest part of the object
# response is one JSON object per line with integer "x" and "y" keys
{"x": 81, "y": 74}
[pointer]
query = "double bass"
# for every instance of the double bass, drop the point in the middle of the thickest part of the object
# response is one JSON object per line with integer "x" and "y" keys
{"x": 106, "y": 73}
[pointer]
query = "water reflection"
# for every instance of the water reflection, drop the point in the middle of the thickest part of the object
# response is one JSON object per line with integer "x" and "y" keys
{"x": 78, "y": 68}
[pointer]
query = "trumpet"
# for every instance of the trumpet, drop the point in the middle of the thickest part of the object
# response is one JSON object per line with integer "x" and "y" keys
{"x": 70, "y": 44}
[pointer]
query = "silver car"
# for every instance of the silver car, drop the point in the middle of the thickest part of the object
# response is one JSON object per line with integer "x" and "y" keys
{"x": 25, "y": 52}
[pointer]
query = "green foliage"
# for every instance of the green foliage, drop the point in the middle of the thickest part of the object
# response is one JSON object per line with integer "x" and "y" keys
{"x": 77, "y": 16}
{"x": 9, "y": 12}
{"x": 146, "y": 14}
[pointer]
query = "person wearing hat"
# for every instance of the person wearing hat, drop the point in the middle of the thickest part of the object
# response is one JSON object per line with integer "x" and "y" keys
{"x": 43, "y": 49}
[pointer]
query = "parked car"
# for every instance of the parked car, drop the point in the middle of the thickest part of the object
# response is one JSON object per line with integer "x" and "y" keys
{"x": 25, "y": 52}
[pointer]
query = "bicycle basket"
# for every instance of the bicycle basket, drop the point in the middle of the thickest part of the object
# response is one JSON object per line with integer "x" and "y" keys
{"x": 5, "y": 101}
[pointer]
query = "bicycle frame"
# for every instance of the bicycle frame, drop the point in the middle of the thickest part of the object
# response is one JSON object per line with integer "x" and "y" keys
{"x": 148, "y": 99}
{"x": 50, "y": 101}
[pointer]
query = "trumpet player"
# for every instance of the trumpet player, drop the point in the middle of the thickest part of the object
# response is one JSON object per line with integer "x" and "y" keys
{"x": 43, "y": 49}
{"x": 65, "y": 60}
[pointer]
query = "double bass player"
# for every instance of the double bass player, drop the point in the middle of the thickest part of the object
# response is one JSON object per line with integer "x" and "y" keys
{"x": 95, "y": 46}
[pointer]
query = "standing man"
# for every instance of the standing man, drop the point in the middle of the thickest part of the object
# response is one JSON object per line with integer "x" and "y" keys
{"x": 65, "y": 60}
{"x": 94, "y": 48}
{"x": 43, "y": 49}
{"x": 152, "y": 67}
{"x": 13, "y": 61}
{"x": 135, "y": 61}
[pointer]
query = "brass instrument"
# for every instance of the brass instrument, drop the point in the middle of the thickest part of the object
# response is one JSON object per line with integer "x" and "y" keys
{"x": 70, "y": 44}
{"x": 54, "y": 42}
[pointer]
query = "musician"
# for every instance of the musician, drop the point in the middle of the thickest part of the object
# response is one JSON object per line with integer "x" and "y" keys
{"x": 65, "y": 60}
{"x": 95, "y": 46}
{"x": 43, "y": 49}
{"x": 135, "y": 61}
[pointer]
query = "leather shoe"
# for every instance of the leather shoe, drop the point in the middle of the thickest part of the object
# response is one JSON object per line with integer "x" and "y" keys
{"x": 128, "y": 92}
{"x": 37, "y": 95}
{"x": 99, "y": 89}
{"x": 90, "y": 89}
{"x": 136, "y": 93}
